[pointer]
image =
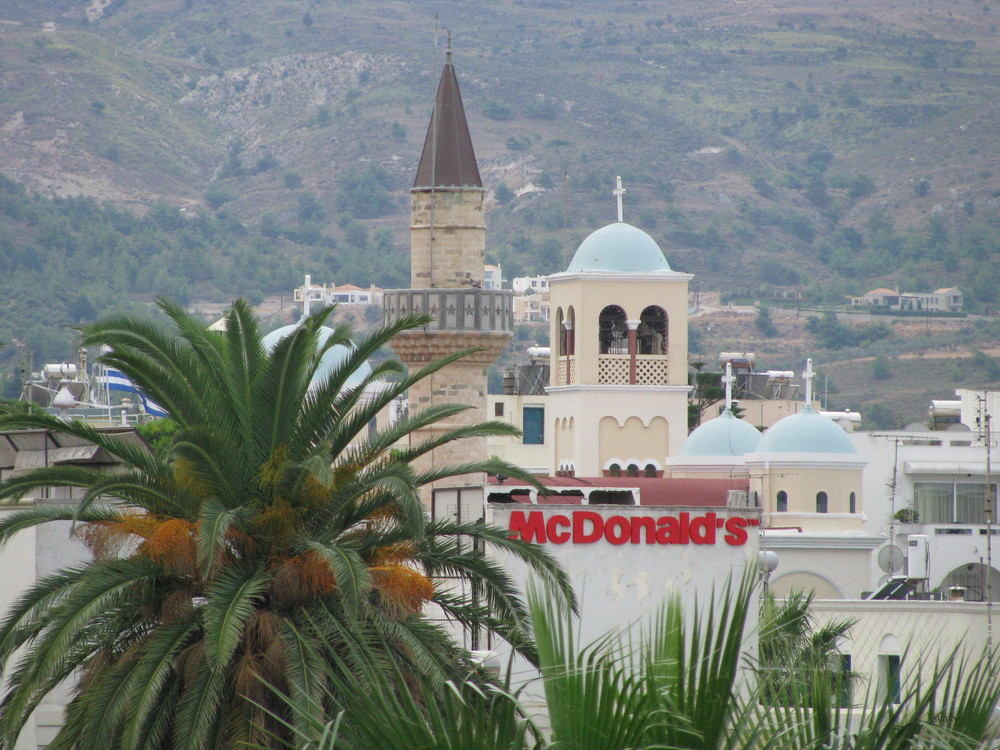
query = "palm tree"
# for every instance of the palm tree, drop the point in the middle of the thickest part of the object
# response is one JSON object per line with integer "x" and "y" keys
{"x": 794, "y": 653}
{"x": 272, "y": 531}
{"x": 677, "y": 684}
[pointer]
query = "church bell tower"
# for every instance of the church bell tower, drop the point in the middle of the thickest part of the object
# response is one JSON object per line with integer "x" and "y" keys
{"x": 447, "y": 253}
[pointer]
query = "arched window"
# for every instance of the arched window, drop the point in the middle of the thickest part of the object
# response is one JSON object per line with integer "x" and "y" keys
{"x": 633, "y": 470}
{"x": 614, "y": 470}
{"x": 821, "y": 502}
{"x": 570, "y": 326}
{"x": 782, "y": 505}
{"x": 853, "y": 500}
{"x": 562, "y": 349}
{"x": 613, "y": 331}
{"x": 652, "y": 331}
{"x": 650, "y": 471}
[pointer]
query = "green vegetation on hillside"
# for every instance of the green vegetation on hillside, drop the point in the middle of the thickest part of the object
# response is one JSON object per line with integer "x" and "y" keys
{"x": 70, "y": 260}
{"x": 776, "y": 154}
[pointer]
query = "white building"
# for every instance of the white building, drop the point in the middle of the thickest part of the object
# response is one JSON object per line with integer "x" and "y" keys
{"x": 42, "y": 550}
{"x": 931, "y": 485}
{"x": 530, "y": 284}
{"x": 332, "y": 294}
{"x": 532, "y": 308}
{"x": 947, "y": 299}
{"x": 492, "y": 277}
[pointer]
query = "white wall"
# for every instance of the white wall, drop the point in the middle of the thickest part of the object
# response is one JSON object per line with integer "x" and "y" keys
{"x": 914, "y": 630}
{"x": 619, "y": 584}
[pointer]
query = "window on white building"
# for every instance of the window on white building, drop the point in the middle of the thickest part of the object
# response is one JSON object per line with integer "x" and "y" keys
{"x": 845, "y": 680}
{"x": 890, "y": 677}
{"x": 952, "y": 502}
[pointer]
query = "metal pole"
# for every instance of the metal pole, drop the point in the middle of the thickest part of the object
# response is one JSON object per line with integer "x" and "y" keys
{"x": 989, "y": 523}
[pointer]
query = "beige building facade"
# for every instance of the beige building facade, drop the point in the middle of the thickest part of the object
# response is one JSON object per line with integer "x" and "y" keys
{"x": 618, "y": 378}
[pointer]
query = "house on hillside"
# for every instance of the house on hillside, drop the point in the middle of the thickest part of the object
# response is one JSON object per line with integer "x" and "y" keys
{"x": 331, "y": 294}
{"x": 946, "y": 300}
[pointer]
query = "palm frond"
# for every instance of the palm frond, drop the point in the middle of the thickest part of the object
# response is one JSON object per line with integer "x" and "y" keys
{"x": 229, "y": 603}
{"x": 349, "y": 571}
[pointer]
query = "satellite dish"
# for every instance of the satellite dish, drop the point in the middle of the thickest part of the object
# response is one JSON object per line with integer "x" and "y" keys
{"x": 958, "y": 427}
{"x": 890, "y": 559}
{"x": 916, "y": 427}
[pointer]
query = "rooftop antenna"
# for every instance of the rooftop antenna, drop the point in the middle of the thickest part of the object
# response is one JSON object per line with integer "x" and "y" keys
{"x": 565, "y": 208}
{"x": 990, "y": 497}
{"x": 618, "y": 192}
{"x": 434, "y": 143}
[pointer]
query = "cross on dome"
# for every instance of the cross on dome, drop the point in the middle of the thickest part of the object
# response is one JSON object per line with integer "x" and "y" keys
{"x": 727, "y": 380}
{"x": 808, "y": 375}
{"x": 618, "y": 192}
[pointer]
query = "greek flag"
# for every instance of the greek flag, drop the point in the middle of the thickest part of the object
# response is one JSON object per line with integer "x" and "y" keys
{"x": 116, "y": 380}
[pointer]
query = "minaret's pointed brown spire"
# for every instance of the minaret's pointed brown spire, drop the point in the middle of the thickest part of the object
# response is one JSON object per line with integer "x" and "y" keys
{"x": 448, "y": 160}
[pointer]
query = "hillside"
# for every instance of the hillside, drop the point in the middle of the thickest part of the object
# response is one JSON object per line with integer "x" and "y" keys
{"x": 814, "y": 148}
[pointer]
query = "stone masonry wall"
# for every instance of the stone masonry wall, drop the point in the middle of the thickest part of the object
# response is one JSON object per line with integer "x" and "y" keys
{"x": 462, "y": 382}
{"x": 455, "y": 257}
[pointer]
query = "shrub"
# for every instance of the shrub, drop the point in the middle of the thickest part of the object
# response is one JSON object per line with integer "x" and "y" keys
{"x": 503, "y": 194}
{"x": 497, "y": 111}
{"x": 218, "y": 195}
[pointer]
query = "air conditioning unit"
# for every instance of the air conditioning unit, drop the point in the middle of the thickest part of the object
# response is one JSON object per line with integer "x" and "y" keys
{"x": 737, "y": 499}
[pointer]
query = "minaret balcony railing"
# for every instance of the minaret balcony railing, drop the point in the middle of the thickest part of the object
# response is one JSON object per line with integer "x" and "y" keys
{"x": 479, "y": 310}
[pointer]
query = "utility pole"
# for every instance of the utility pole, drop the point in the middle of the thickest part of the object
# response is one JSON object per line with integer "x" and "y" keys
{"x": 984, "y": 419}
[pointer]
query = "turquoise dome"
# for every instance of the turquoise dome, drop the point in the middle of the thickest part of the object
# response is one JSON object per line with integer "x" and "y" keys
{"x": 806, "y": 432}
{"x": 331, "y": 360}
{"x": 726, "y": 435}
{"x": 619, "y": 247}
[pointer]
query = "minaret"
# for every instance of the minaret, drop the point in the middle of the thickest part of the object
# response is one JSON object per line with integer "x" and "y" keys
{"x": 447, "y": 254}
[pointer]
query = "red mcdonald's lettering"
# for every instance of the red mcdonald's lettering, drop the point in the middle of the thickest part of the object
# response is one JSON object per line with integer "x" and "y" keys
{"x": 668, "y": 531}
{"x": 623, "y": 532}
{"x": 528, "y": 529}
{"x": 737, "y": 534}
{"x": 685, "y": 533}
{"x": 597, "y": 529}
{"x": 588, "y": 527}
{"x": 640, "y": 523}
{"x": 552, "y": 529}
{"x": 703, "y": 529}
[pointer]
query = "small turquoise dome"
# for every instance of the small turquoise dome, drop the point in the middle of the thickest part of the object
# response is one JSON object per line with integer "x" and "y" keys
{"x": 619, "y": 247}
{"x": 806, "y": 432}
{"x": 331, "y": 360}
{"x": 726, "y": 435}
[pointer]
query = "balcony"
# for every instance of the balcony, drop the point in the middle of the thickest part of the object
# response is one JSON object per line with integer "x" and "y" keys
{"x": 614, "y": 369}
{"x": 481, "y": 310}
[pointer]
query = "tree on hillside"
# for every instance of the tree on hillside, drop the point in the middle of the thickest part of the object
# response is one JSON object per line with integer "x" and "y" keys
{"x": 765, "y": 323}
{"x": 272, "y": 530}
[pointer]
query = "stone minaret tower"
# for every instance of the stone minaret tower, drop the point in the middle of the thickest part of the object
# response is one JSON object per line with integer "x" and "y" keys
{"x": 447, "y": 250}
